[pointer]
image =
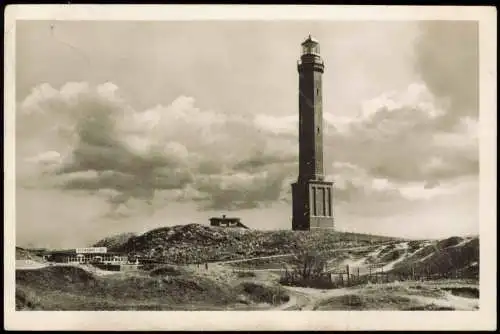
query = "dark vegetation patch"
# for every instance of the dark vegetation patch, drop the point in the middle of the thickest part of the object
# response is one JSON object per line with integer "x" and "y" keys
{"x": 264, "y": 294}
{"x": 467, "y": 292}
{"x": 364, "y": 302}
{"x": 392, "y": 255}
{"x": 425, "y": 251}
{"x": 414, "y": 245}
{"x": 245, "y": 274}
{"x": 453, "y": 241}
{"x": 166, "y": 271}
{"x": 403, "y": 289}
{"x": 387, "y": 249}
{"x": 428, "y": 307}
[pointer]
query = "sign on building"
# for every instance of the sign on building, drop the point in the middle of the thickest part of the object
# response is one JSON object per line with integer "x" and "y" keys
{"x": 91, "y": 250}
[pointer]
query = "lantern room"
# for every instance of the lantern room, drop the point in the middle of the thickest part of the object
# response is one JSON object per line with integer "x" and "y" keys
{"x": 310, "y": 46}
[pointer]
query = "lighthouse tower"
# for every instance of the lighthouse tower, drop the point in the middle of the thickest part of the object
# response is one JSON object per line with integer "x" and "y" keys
{"x": 312, "y": 195}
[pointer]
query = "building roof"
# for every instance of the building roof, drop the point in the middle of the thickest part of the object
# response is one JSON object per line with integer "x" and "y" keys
{"x": 225, "y": 218}
{"x": 73, "y": 252}
{"x": 310, "y": 40}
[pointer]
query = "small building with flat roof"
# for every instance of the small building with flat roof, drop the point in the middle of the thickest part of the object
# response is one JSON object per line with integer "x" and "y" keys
{"x": 227, "y": 222}
{"x": 86, "y": 255}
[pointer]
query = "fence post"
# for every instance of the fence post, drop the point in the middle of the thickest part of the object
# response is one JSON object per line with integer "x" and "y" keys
{"x": 347, "y": 270}
{"x": 358, "y": 273}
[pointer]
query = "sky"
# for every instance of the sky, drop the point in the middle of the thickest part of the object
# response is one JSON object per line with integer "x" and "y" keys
{"x": 126, "y": 126}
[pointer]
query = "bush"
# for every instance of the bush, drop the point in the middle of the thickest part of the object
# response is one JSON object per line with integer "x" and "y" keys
{"x": 308, "y": 272}
{"x": 243, "y": 274}
{"x": 263, "y": 294}
{"x": 165, "y": 270}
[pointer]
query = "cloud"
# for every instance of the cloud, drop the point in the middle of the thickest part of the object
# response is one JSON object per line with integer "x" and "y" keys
{"x": 48, "y": 158}
{"x": 353, "y": 183}
{"x": 241, "y": 190}
{"x": 287, "y": 125}
{"x": 398, "y": 136}
{"x": 447, "y": 59}
{"x": 93, "y": 141}
{"x": 88, "y": 138}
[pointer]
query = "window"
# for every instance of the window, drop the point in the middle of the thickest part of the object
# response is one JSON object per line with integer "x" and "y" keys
{"x": 319, "y": 199}
{"x": 310, "y": 49}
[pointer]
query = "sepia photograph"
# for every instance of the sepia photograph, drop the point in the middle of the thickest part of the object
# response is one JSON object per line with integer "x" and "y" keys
{"x": 250, "y": 164}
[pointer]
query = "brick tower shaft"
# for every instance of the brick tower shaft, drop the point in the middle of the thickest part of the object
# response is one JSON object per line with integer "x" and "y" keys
{"x": 312, "y": 195}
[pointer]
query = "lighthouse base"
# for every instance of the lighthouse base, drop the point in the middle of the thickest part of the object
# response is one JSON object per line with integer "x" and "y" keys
{"x": 312, "y": 205}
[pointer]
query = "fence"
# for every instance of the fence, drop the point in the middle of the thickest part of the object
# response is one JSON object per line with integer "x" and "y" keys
{"x": 376, "y": 275}
{"x": 352, "y": 276}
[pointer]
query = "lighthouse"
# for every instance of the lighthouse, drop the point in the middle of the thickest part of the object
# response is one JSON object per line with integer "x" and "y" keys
{"x": 312, "y": 195}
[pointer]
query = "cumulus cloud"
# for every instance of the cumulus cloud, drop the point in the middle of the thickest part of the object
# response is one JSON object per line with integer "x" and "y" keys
{"x": 401, "y": 144}
{"x": 398, "y": 136}
{"x": 96, "y": 142}
{"x": 287, "y": 125}
{"x": 241, "y": 190}
{"x": 353, "y": 183}
{"x": 48, "y": 158}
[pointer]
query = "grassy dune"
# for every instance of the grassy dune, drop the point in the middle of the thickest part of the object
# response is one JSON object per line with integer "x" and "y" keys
{"x": 248, "y": 285}
{"x": 26, "y": 254}
{"x": 193, "y": 243}
{"x": 404, "y": 297}
{"x": 73, "y": 288}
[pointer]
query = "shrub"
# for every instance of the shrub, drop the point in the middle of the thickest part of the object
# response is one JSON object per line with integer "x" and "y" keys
{"x": 165, "y": 270}
{"x": 243, "y": 274}
{"x": 264, "y": 294}
{"x": 308, "y": 272}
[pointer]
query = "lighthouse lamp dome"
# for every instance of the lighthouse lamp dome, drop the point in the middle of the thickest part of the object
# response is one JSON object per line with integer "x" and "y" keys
{"x": 310, "y": 46}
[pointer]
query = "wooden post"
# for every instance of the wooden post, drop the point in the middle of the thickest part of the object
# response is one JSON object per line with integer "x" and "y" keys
{"x": 347, "y": 271}
{"x": 358, "y": 273}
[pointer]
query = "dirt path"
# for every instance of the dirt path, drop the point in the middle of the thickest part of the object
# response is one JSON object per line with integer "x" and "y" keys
{"x": 456, "y": 302}
{"x": 29, "y": 264}
{"x": 307, "y": 299}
